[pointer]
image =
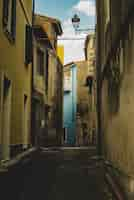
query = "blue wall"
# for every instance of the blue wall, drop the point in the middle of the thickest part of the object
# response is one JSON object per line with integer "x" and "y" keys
{"x": 70, "y": 108}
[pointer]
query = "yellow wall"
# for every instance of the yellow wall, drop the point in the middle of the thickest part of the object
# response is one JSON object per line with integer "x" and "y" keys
{"x": 12, "y": 58}
{"x": 60, "y": 53}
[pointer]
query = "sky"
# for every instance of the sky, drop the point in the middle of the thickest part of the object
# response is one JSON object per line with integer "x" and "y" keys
{"x": 64, "y": 11}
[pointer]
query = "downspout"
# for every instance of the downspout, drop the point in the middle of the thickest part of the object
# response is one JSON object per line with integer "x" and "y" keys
{"x": 32, "y": 74}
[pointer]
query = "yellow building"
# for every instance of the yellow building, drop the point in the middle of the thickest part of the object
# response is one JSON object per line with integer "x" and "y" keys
{"x": 15, "y": 76}
{"x": 60, "y": 52}
{"x": 40, "y": 83}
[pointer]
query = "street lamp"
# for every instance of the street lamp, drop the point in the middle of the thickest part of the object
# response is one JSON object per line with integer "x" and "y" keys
{"x": 76, "y": 24}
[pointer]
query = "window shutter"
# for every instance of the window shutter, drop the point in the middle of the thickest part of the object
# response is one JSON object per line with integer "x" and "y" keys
{"x": 1, "y": 102}
{"x": 28, "y": 45}
{"x": 5, "y": 11}
{"x": 13, "y": 30}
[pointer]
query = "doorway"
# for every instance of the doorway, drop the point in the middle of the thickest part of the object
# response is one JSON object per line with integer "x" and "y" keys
{"x": 6, "y": 119}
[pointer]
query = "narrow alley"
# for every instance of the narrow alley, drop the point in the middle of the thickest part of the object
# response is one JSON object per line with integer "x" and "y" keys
{"x": 66, "y": 100}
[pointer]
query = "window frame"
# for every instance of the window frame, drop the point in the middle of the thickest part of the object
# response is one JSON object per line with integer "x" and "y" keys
{"x": 40, "y": 61}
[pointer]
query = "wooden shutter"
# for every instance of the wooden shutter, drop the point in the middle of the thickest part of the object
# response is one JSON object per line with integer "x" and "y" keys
{"x": 13, "y": 25}
{"x": 28, "y": 45}
{"x": 5, "y": 12}
{"x": 1, "y": 103}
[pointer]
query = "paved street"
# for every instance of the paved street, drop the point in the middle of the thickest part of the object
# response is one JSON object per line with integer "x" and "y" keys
{"x": 65, "y": 174}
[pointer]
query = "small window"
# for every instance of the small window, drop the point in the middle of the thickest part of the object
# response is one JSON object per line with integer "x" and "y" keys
{"x": 40, "y": 62}
{"x": 9, "y": 18}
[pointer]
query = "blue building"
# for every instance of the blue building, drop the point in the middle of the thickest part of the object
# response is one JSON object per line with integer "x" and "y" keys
{"x": 70, "y": 101}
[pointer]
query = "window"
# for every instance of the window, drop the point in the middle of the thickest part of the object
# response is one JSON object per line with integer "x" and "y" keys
{"x": 89, "y": 83}
{"x": 40, "y": 62}
{"x": 9, "y": 18}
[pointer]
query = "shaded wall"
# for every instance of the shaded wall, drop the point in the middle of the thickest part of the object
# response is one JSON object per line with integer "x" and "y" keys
{"x": 117, "y": 110}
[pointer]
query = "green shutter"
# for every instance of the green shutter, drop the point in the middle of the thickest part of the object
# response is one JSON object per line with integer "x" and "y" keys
{"x": 5, "y": 12}
{"x": 1, "y": 103}
{"x": 13, "y": 30}
{"x": 28, "y": 45}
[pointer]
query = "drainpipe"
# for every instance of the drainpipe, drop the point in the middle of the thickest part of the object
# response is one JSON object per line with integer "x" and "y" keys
{"x": 32, "y": 73}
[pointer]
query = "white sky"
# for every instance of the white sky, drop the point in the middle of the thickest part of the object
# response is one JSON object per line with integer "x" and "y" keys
{"x": 74, "y": 49}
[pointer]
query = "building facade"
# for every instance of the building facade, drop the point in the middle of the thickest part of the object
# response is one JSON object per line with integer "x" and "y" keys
{"x": 115, "y": 47}
{"x": 79, "y": 103}
{"x": 90, "y": 53}
{"x": 15, "y": 76}
{"x": 40, "y": 83}
{"x": 52, "y": 80}
{"x": 83, "y": 105}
